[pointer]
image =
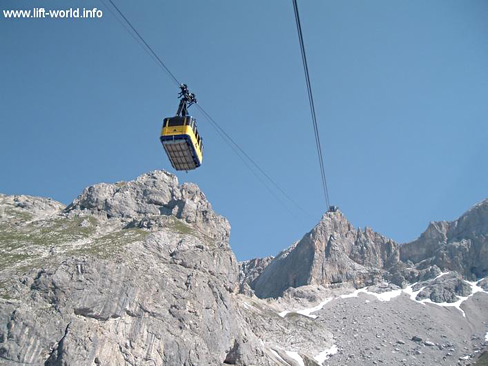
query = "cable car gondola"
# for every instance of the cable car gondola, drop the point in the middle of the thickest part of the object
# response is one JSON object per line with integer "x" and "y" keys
{"x": 180, "y": 137}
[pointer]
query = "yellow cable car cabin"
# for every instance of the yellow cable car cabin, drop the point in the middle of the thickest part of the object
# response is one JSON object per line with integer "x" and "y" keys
{"x": 182, "y": 143}
{"x": 180, "y": 137}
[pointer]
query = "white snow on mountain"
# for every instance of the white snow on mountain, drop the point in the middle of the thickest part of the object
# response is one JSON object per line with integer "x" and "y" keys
{"x": 307, "y": 312}
{"x": 389, "y": 295}
{"x": 474, "y": 289}
{"x": 324, "y": 355}
{"x": 296, "y": 357}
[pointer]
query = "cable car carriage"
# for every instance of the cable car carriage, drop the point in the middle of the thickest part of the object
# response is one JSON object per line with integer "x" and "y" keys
{"x": 180, "y": 137}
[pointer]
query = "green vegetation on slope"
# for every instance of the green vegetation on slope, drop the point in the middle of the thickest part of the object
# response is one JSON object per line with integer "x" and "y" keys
{"x": 483, "y": 360}
{"x": 180, "y": 227}
{"x": 106, "y": 246}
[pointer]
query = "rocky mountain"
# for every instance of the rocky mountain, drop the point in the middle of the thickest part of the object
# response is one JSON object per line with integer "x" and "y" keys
{"x": 249, "y": 271}
{"x": 461, "y": 245}
{"x": 336, "y": 252}
{"x": 141, "y": 273}
{"x": 333, "y": 252}
{"x": 134, "y": 273}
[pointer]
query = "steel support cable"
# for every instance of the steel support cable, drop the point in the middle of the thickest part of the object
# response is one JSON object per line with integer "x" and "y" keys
{"x": 222, "y": 133}
{"x": 312, "y": 105}
{"x": 146, "y": 44}
{"x": 224, "y": 136}
{"x": 253, "y": 162}
{"x": 124, "y": 24}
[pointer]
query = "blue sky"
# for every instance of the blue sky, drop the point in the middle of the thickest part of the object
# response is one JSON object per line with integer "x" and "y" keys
{"x": 400, "y": 91}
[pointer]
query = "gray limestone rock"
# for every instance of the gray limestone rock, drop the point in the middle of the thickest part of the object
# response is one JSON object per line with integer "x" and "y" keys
{"x": 460, "y": 245}
{"x": 20, "y": 210}
{"x": 484, "y": 284}
{"x": 141, "y": 273}
{"x": 135, "y": 273}
{"x": 249, "y": 271}
{"x": 445, "y": 289}
{"x": 333, "y": 252}
{"x": 143, "y": 201}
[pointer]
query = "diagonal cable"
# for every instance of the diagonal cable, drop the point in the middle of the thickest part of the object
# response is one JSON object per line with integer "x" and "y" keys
{"x": 312, "y": 105}
{"x": 222, "y": 133}
{"x": 231, "y": 142}
{"x": 146, "y": 44}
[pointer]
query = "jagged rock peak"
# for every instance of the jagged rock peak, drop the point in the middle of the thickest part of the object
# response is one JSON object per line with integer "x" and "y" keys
{"x": 473, "y": 222}
{"x": 460, "y": 245}
{"x": 335, "y": 252}
{"x": 150, "y": 196}
{"x": 332, "y": 252}
{"x": 333, "y": 223}
{"x": 482, "y": 205}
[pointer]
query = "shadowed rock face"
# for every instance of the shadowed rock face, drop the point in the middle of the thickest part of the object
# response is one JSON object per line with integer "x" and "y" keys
{"x": 333, "y": 252}
{"x": 249, "y": 271}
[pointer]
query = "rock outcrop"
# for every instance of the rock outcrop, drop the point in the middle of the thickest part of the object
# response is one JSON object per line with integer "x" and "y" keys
{"x": 460, "y": 245}
{"x": 145, "y": 202}
{"x": 445, "y": 289}
{"x": 249, "y": 271}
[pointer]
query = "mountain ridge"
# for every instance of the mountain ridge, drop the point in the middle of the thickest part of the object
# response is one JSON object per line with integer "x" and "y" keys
{"x": 142, "y": 273}
{"x": 336, "y": 252}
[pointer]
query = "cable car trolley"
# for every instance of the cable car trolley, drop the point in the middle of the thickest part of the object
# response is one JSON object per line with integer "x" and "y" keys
{"x": 180, "y": 137}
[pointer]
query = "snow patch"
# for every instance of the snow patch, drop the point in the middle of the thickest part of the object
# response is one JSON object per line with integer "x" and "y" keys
{"x": 277, "y": 355}
{"x": 389, "y": 295}
{"x": 456, "y": 304}
{"x": 296, "y": 357}
{"x": 324, "y": 355}
{"x": 384, "y": 296}
{"x": 439, "y": 276}
{"x": 413, "y": 294}
{"x": 474, "y": 289}
{"x": 486, "y": 337}
{"x": 307, "y": 312}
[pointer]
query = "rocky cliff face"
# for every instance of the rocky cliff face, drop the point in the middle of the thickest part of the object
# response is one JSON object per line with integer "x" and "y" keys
{"x": 461, "y": 245}
{"x": 134, "y": 273}
{"x": 141, "y": 273}
{"x": 333, "y": 252}
{"x": 138, "y": 273}
{"x": 249, "y": 271}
